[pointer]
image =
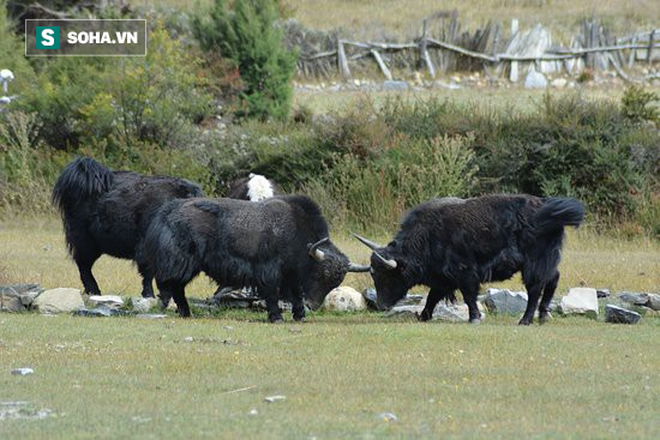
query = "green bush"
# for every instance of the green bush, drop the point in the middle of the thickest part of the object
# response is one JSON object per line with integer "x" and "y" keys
{"x": 247, "y": 33}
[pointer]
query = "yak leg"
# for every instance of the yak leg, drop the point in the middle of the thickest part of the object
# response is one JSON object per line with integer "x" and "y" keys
{"x": 147, "y": 279}
{"x": 270, "y": 295}
{"x": 470, "y": 290}
{"x": 534, "y": 289}
{"x": 433, "y": 298}
{"x": 297, "y": 304}
{"x": 85, "y": 263}
{"x": 548, "y": 293}
{"x": 175, "y": 290}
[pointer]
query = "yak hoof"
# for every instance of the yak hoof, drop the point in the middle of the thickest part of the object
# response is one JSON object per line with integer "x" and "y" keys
{"x": 475, "y": 321}
{"x": 525, "y": 322}
{"x": 276, "y": 319}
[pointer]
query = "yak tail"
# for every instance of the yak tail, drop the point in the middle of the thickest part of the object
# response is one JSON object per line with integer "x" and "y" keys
{"x": 81, "y": 180}
{"x": 558, "y": 212}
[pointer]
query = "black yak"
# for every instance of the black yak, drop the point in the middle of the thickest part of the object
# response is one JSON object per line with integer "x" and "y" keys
{"x": 448, "y": 244}
{"x": 254, "y": 188}
{"x": 278, "y": 246}
{"x": 107, "y": 212}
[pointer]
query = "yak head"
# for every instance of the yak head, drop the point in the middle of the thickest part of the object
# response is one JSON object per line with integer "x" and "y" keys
{"x": 328, "y": 270}
{"x": 387, "y": 271}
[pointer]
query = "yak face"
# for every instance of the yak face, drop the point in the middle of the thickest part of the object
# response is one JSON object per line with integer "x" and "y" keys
{"x": 325, "y": 274}
{"x": 389, "y": 281}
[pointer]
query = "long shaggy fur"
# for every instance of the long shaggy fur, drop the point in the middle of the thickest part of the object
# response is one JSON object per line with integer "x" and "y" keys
{"x": 239, "y": 243}
{"x": 107, "y": 212}
{"x": 450, "y": 244}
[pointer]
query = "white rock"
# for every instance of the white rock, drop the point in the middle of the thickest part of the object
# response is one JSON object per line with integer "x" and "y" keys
{"x": 580, "y": 300}
{"x": 143, "y": 305}
{"x": 559, "y": 83}
{"x": 111, "y": 301}
{"x": 60, "y": 300}
{"x": 273, "y": 399}
{"x": 344, "y": 299}
{"x": 535, "y": 80}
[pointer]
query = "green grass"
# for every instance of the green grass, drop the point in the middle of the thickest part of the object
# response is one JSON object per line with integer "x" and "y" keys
{"x": 132, "y": 378}
{"x": 129, "y": 378}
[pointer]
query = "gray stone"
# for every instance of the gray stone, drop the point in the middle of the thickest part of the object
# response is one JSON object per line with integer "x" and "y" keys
{"x": 654, "y": 301}
{"x": 580, "y": 300}
{"x": 60, "y": 300}
{"x": 602, "y": 293}
{"x": 110, "y": 301}
{"x": 535, "y": 80}
{"x": 406, "y": 311}
{"x": 98, "y": 312}
{"x": 370, "y": 297}
{"x": 273, "y": 399}
{"x": 11, "y": 303}
{"x": 638, "y": 299}
{"x": 17, "y": 289}
{"x": 619, "y": 315}
{"x": 506, "y": 302}
{"x": 143, "y": 305}
{"x": 22, "y": 371}
{"x": 387, "y": 417}
{"x": 395, "y": 85}
{"x": 411, "y": 299}
{"x": 455, "y": 312}
{"x": 344, "y": 299}
{"x": 27, "y": 298}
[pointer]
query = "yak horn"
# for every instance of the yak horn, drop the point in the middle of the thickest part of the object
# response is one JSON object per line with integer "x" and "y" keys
{"x": 368, "y": 243}
{"x": 316, "y": 253}
{"x": 352, "y": 267}
{"x": 391, "y": 264}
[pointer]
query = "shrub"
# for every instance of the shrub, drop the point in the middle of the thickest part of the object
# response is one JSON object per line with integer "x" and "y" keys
{"x": 639, "y": 105}
{"x": 246, "y": 32}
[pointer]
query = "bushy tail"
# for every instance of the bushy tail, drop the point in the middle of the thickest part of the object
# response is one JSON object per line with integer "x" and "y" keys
{"x": 81, "y": 180}
{"x": 558, "y": 212}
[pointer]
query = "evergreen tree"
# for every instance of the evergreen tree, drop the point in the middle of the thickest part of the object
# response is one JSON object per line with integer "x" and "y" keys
{"x": 245, "y": 31}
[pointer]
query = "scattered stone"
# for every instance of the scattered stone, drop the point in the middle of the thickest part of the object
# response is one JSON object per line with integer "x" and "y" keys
{"x": 98, "y": 312}
{"x": 387, "y": 417}
{"x": 395, "y": 86}
{"x": 404, "y": 311}
{"x": 27, "y": 298}
{"x": 17, "y": 289}
{"x": 273, "y": 399}
{"x": 580, "y": 300}
{"x": 22, "y": 371}
{"x": 143, "y": 305}
{"x": 444, "y": 85}
{"x": 11, "y": 303}
{"x": 150, "y": 316}
{"x": 110, "y": 301}
{"x": 619, "y": 315}
{"x": 60, "y": 300}
{"x": 506, "y": 302}
{"x": 455, "y": 312}
{"x": 411, "y": 299}
{"x": 344, "y": 299}
{"x": 22, "y": 410}
{"x": 638, "y": 299}
{"x": 654, "y": 301}
{"x": 535, "y": 80}
{"x": 253, "y": 412}
{"x": 188, "y": 339}
{"x": 559, "y": 83}
{"x": 602, "y": 293}
{"x": 370, "y": 297}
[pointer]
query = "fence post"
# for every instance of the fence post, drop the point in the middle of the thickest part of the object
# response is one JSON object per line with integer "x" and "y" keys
{"x": 650, "y": 51}
{"x": 342, "y": 61}
{"x": 424, "y": 53}
{"x": 513, "y": 76}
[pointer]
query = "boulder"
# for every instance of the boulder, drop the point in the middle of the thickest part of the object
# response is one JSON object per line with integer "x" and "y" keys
{"x": 110, "y": 301}
{"x": 98, "y": 312}
{"x": 144, "y": 305}
{"x": 60, "y": 300}
{"x": 535, "y": 80}
{"x": 506, "y": 302}
{"x": 654, "y": 301}
{"x": 10, "y": 303}
{"x": 638, "y": 299}
{"x": 580, "y": 300}
{"x": 602, "y": 293}
{"x": 455, "y": 312}
{"x": 619, "y": 315}
{"x": 344, "y": 299}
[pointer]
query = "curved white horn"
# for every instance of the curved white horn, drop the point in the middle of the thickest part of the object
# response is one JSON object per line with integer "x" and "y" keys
{"x": 390, "y": 263}
{"x": 316, "y": 253}
{"x": 352, "y": 267}
{"x": 368, "y": 243}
